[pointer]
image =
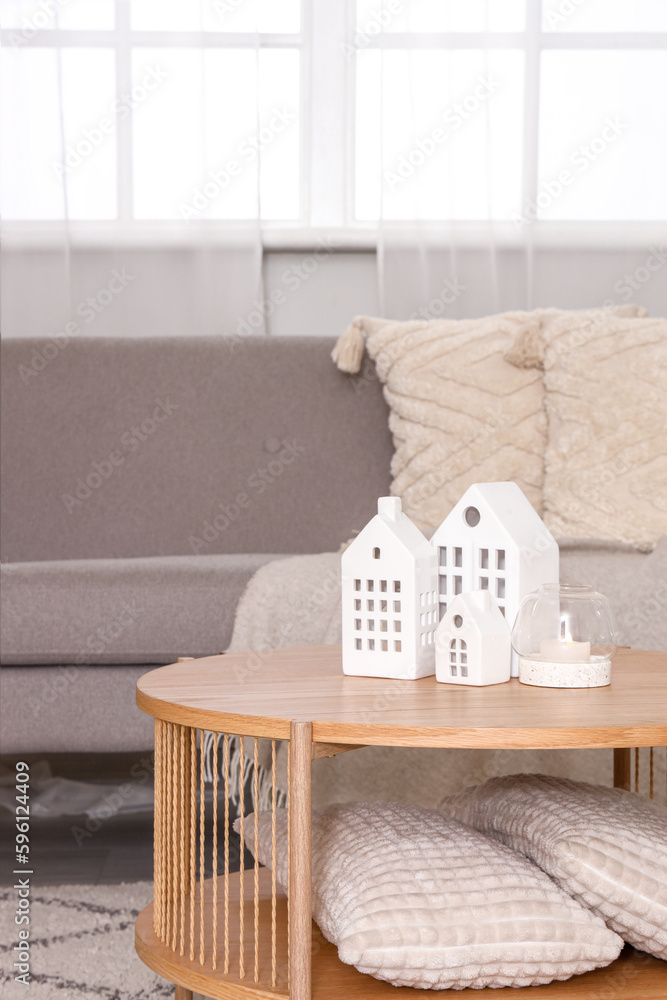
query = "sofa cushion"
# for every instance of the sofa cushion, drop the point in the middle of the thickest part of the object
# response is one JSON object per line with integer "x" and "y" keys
{"x": 121, "y": 610}
{"x": 122, "y": 447}
{"x": 419, "y": 900}
{"x": 73, "y": 709}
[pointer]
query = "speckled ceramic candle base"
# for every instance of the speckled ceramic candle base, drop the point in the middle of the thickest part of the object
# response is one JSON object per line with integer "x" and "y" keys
{"x": 545, "y": 673}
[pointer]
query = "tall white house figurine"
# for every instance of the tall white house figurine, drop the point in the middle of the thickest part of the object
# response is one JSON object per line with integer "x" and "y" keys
{"x": 472, "y": 642}
{"x": 389, "y": 598}
{"x": 494, "y": 540}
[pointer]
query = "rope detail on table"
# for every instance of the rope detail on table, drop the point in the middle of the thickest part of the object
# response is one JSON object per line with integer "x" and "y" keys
{"x": 273, "y": 864}
{"x": 255, "y": 802}
{"x": 193, "y": 837}
{"x": 196, "y": 917}
{"x": 226, "y": 852}
{"x": 650, "y": 783}
{"x": 182, "y": 817}
{"x": 241, "y": 863}
{"x": 202, "y": 845}
{"x": 214, "y": 864}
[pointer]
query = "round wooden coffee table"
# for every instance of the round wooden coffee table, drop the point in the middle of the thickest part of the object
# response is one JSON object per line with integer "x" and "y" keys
{"x": 238, "y": 935}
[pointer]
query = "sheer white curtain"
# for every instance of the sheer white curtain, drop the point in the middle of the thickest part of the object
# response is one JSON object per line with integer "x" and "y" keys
{"x": 132, "y": 165}
{"x": 488, "y": 132}
{"x": 449, "y": 152}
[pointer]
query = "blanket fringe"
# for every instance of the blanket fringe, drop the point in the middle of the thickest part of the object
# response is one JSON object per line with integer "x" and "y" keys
{"x": 349, "y": 350}
{"x": 264, "y": 781}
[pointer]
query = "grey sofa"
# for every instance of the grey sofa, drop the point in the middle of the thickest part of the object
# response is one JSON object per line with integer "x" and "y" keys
{"x": 143, "y": 483}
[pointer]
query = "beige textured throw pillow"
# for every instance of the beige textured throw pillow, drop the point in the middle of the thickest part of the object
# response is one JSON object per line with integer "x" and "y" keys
{"x": 605, "y": 846}
{"x": 415, "y": 899}
{"x": 606, "y": 402}
{"x": 460, "y": 413}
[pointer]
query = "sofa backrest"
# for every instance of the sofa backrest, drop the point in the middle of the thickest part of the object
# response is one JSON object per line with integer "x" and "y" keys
{"x": 162, "y": 446}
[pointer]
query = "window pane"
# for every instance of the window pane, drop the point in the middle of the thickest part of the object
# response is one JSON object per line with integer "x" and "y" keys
{"x": 198, "y": 139}
{"x": 604, "y": 15}
{"x": 270, "y": 16}
{"x": 438, "y": 134}
{"x": 36, "y": 164}
{"x": 603, "y": 136}
{"x": 29, "y": 15}
{"x": 438, "y": 15}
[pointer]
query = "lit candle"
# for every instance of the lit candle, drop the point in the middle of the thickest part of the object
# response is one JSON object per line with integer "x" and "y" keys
{"x": 565, "y": 650}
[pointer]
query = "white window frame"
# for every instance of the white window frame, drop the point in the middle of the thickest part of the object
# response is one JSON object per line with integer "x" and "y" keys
{"x": 327, "y": 157}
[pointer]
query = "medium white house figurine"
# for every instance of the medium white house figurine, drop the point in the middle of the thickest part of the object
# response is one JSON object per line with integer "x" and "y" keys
{"x": 389, "y": 598}
{"x": 494, "y": 540}
{"x": 472, "y": 642}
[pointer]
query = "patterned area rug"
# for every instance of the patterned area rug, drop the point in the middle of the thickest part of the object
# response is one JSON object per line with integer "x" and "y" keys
{"x": 82, "y": 945}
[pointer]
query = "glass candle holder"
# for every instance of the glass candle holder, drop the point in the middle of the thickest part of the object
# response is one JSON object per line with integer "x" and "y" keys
{"x": 564, "y": 637}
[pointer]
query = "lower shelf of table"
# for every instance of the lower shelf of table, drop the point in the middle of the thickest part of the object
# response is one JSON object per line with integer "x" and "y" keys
{"x": 634, "y": 976}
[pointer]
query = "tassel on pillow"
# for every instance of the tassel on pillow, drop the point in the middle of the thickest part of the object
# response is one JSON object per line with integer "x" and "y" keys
{"x": 349, "y": 350}
{"x": 528, "y": 349}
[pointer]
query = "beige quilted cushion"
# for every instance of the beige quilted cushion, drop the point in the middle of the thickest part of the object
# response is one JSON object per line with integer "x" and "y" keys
{"x": 419, "y": 900}
{"x": 605, "y": 846}
{"x": 606, "y": 459}
{"x": 460, "y": 413}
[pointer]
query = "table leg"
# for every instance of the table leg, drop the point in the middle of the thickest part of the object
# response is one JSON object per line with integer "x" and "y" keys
{"x": 622, "y": 768}
{"x": 300, "y": 835}
{"x": 182, "y": 994}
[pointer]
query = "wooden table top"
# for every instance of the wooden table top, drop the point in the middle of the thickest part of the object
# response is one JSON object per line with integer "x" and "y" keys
{"x": 259, "y": 693}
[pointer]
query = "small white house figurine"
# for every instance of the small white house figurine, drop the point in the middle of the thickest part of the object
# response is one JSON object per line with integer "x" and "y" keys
{"x": 472, "y": 642}
{"x": 494, "y": 540}
{"x": 389, "y": 598}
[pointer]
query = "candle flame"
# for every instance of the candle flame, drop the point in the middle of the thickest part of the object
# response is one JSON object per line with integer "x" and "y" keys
{"x": 567, "y": 638}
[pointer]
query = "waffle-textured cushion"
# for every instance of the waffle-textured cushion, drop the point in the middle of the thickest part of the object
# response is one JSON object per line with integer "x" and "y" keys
{"x": 419, "y": 900}
{"x": 605, "y": 846}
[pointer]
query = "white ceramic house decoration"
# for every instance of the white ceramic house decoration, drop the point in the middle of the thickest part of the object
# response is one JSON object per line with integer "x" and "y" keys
{"x": 494, "y": 540}
{"x": 389, "y": 598}
{"x": 472, "y": 642}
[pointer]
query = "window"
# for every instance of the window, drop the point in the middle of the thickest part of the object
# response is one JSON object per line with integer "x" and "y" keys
{"x": 167, "y": 104}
